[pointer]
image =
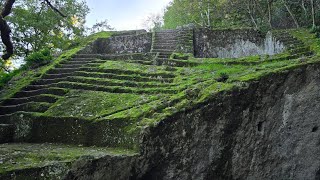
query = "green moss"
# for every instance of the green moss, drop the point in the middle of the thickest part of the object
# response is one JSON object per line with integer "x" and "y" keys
{"x": 25, "y": 77}
{"x": 93, "y": 104}
{"x": 307, "y": 38}
{"x": 127, "y": 97}
{"x": 21, "y": 156}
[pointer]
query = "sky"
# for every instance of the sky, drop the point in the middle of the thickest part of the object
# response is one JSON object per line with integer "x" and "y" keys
{"x": 124, "y": 14}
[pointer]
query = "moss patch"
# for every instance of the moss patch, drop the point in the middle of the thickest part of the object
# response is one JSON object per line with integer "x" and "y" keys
{"x": 92, "y": 104}
{"x": 22, "y": 156}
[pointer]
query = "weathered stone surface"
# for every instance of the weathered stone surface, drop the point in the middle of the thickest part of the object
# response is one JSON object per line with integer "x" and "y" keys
{"x": 120, "y": 44}
{"x": 233, "y": 43}
{"x": 110, "y": 167}
{"x": 6, "y": 133}
{"x": 269, "y": 130}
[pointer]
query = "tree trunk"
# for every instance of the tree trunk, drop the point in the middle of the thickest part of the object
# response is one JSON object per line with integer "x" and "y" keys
{"x": 270, "y": 13}
{"x": 291, "y": 14}
{"x": 313, "y": 14}
{"x": 251, "y": 16}
{"x": 5, "y": 29}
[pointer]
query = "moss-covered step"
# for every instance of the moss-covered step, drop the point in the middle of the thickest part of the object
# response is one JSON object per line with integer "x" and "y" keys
{"x": 51, "y": 90}
{"x": 39, "y": 98}
{"x": 54, "y": 76}
{"x": 114, "y": 82}
{"x": 132, "y": 77}
{"x": 50, "y": 161}
{"x": 116, "y": 89}
{"x": 128, "y": 72}
{"x": 28, "y": 107}
{"x": 134, "y": 56}
{"x": 39, "y": 128}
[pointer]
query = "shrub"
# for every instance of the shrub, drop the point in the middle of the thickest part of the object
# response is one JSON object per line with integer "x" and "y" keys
{"x": 39, "y": 58}
{"x": 316, "y": 30}
{"x": 223, "y": 77}
{"x": 6, "y": 77}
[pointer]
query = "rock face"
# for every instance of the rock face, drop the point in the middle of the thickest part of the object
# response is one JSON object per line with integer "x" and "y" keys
{"x": 121, "y": 43}
{"x": 268, "y": 131}
{"x": 234, "y": 43}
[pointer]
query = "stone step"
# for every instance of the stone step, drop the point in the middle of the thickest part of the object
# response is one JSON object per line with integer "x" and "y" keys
{"x": 156, "y": 41}
{"x": 165, "y": 40}
{"x": 70, "y": 65}
{"x": 164, "y": 44}
{"x": 55, "y": 76}
{"x": 115, "y": 89}
{"x": 36, "y": 87}
{"x": 295, "y": 45}
{"x": 47, "y": 81}
{"x": 52, "y": 91}
{"x": 289, "y": 42}
{"x": 128, "y": 72}
{"x": 299, "y": 50}
{"x": 171, "y": 46}
{"x": 175, "y": 63}
{"x": 6, "y": 133}
{"x": 287, "y": 39}
{"x": 71, "y": 62}
{"x": 163, "y": 56}
{"x": 304, "y": 54}
{"x": 27, "y": 107}
{"x": 108, "y": 82}
{"x": 166, "y": 36}
{"x": 26, "y": 161}
{"x": 39, "y": 98}
{"x": 62, "y": 70}
{"x": 163, "y": 51}
{"x": 122, "y": 77}
{"x": 99, "y": 62}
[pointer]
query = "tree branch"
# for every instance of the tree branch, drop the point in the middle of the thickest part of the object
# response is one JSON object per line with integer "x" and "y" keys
{"x": 55, "y": 9}
{"x": 7, "y": 8}
{"x": 5, "y": 29}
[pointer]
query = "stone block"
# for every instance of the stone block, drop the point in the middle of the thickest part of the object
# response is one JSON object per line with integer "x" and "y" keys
{"x": 6, "y": 133}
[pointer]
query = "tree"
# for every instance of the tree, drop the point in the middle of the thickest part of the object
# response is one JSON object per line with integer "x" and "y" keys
{"x": 100, "y": 26}
{"x": 41, "y": 23}
{"x": 37, "y": 25}
{"x": 153, "y": 22}
{"x": 313, "y": 14}
{"x": 5, "y": 29}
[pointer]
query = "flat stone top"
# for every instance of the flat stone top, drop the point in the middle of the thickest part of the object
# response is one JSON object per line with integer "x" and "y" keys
{"x": 22, "y": 156}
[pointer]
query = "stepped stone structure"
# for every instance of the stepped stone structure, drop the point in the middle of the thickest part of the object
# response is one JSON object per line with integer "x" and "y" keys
{"x": 123, "y": 92}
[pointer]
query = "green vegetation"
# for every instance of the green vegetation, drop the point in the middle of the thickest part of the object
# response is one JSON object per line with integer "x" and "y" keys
{"x": 260, "y": 14}
{"x": 93, "y": 104}
{"x": 39, "y": 58}
{"x": 37, "y": 26}
{"x": 22, "y": 156}
{"x": 24, "y": 76}
{"x": 109, "y": 102}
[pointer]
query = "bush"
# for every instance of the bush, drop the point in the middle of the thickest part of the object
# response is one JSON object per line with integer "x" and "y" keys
{"x": 223, "y": 77}
{"x": 316, "y": 30}
{"x": 6, "y": 77}
{"x": 39, "y": 58}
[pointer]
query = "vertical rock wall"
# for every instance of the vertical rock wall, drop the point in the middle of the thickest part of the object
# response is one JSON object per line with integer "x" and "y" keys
{"x": 234, "y": 43}
{"x": 268, "y": 131}
{"x": 121, "y": 43}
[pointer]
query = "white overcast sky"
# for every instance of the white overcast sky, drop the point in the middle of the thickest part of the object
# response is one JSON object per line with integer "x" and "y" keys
{"x": 123, "y": 14}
